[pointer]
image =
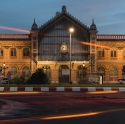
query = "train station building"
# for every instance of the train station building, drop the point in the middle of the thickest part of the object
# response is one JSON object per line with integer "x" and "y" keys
{"x": 66, "y": 49}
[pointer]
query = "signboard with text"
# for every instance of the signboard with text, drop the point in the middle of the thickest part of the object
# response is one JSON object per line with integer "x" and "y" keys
{"x": 65, "y": 71}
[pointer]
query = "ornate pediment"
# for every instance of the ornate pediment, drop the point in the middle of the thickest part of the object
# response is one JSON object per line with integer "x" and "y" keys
{"x": 120, "y": 45}
{"x": 65, "y": 17}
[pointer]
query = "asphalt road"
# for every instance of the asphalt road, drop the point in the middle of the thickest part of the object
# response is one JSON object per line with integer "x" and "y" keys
{"x": 60, "y": 108}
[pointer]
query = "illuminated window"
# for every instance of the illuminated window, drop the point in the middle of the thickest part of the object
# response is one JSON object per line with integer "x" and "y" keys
{"x": 113, "y": 53}
{"x": 13, "y": 52}
{"x": 101, "y": 70}
{"x": 26, "y": 72}
{"x": 1, "y": 52}
{"x": 101, "y": 53}
{"x": 113, "y": 72}
{"x": 13, "y": 71}
{"x": 26, "y": 52}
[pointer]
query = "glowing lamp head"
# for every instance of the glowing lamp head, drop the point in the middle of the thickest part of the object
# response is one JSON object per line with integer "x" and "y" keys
{"x": 4, "y": 64}
{"x": 83, "y": 64}
{"x": 71, "y": 30}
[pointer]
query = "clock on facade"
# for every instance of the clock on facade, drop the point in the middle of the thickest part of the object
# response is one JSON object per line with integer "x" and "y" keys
{"x": 63, "y": 48}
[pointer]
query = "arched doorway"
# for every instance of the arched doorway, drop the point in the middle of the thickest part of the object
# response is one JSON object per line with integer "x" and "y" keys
{"x": 64, "y": 74}
{"x": 101, "y": 71}
{"x": 81, "y": 74}
{"x": 47, "y": 71}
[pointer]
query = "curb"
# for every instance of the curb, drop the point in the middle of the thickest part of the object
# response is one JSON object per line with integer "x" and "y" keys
{"x": 60, "y": 89}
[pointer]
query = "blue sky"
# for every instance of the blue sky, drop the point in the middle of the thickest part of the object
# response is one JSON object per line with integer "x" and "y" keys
{"x": 109, "y": 15}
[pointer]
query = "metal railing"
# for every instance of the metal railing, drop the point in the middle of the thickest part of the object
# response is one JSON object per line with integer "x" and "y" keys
{"x": 111, "y": 36}
{"x": 14, "y": 36}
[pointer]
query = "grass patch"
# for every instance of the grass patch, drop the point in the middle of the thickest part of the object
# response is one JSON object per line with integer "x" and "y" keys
{"x": 62, "y": 85}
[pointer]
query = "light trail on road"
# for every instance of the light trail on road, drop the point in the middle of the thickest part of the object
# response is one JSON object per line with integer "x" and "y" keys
{"x": 102, "y": 92}
{"x": 9, "y": 121}
{"x": 53, "y": 106}
{"x": 71, "y": 116}
{"x": 19, "y": 93}
{"x": 82, "y": 115}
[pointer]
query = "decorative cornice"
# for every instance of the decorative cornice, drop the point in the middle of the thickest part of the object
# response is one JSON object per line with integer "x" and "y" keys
{"x": 6, "y": 47}
{"x": 118, "y": 45}
{"x": 19, "y": 47}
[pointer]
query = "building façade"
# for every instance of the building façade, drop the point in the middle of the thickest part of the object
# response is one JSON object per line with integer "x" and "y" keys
{"x": 61, "y": 53}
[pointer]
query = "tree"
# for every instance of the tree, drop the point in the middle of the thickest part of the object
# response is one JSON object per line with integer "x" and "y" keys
{"x": 39, "y": 77}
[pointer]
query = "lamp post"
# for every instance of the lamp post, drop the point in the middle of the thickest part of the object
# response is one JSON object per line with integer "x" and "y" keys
{"x": 71, "y": 30}
{"x": 90, "y": 63}
{"x": 4, "y": 68}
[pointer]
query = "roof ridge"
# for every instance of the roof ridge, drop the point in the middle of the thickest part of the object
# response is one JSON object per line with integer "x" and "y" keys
{"x": 60, "y": 14}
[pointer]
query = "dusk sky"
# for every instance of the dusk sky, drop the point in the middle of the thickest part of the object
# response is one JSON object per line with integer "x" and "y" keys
{"x": 109, "y": 15}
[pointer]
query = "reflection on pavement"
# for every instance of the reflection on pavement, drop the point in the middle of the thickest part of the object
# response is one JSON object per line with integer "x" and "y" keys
{"x": 11, "y": 108}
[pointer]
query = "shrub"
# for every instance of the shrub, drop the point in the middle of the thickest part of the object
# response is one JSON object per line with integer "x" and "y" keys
{"x": 39, "y": 77}
{"x": 15, "y": 80}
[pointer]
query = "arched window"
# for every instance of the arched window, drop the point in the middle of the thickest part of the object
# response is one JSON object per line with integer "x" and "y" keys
{"x": 26, "y": 72}
{"x": 13, "y": 52}
{"x": 113, "y": 72}
{"x": 101, "y": 70}
{"x": 1, "y": 52}
{"x": 101, "y": 53}
{"x": 26, "y": 52}
{"x": 113, "y": 53}
{"x": 13, "y": 71}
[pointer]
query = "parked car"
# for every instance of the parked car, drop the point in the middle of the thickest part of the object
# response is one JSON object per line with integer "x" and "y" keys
{"x": 121, "y": 81}
{"x": 4, "y": 81}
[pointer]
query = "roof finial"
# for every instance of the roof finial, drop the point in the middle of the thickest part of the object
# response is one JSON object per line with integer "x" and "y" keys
{"x": 34, "y": 25}
{"x": 93, "y": 21}
{"x": 93, "y": 26}
{"x": 63, "y": 8}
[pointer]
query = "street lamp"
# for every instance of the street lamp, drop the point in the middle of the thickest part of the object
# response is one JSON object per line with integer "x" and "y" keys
{"x": 71, "y": 30}
{"x": 83, "y": 64}
{"x": 4, "y": 68}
